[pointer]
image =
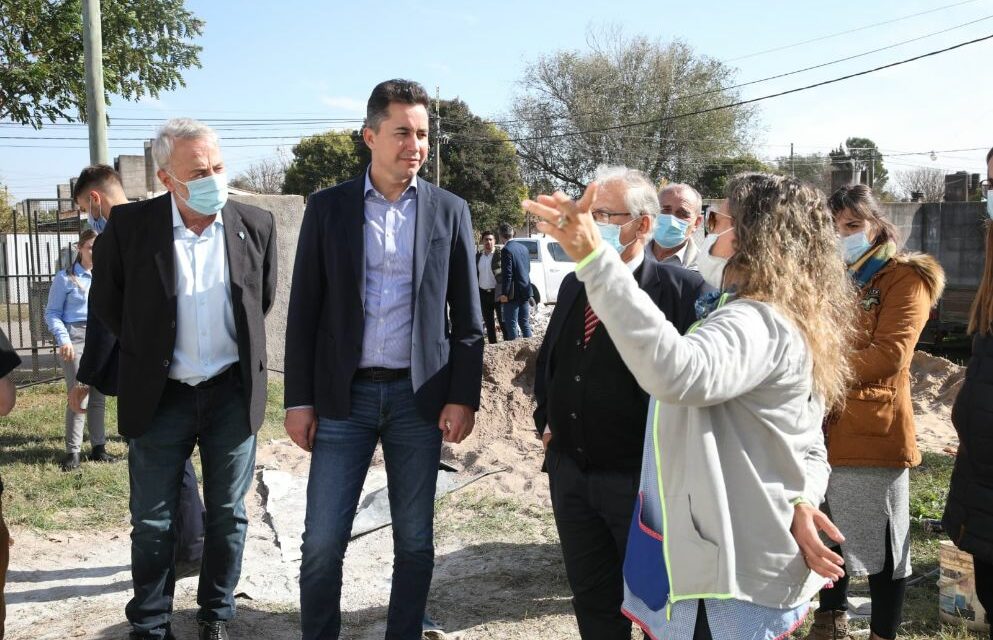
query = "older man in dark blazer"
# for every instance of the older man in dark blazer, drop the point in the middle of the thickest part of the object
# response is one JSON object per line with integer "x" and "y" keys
{"x": 384, "y": 342}
{"x": 591, "y": 413}
{"x": 184, "y": 281}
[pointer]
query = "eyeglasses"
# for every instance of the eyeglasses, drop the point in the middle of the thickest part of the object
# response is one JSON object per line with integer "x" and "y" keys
{"x": 603, "y": 217}
{"x": 711, "y": 219}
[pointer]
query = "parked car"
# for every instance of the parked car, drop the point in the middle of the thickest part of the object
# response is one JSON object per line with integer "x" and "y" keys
{"x": 549, "y": 265}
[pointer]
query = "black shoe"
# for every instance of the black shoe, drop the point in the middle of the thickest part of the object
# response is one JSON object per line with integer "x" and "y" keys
{"x": 134, "y": 635}
{"x": 187, "y": 568}
{"x": 70, "y": 462}
{"x": 99, "y": 454}
{"x": 214, "y": 630}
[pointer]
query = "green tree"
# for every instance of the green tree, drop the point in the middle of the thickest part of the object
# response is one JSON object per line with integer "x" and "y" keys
{"x": 626, "y": 100}
{"x": 324, "y": 160}
{"x": 714, "y": 177}
{"x": 147, "y": 44}
{"x": 480, "y": 164}
{"x": 861, "y": 156}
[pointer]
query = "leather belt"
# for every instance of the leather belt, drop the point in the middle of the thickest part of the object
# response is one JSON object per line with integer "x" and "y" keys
{"x": 381, "y": 374}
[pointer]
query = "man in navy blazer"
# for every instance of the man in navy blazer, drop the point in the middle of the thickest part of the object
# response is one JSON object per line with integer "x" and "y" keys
{"x": 384, "y": 343}
{"x": 515, "y": 285}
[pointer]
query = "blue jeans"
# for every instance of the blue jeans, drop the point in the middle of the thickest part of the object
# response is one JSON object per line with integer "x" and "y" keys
{"x": 516, "y": 312}
{"x": 215, "y": 419}
{"x": 342, "y": 452}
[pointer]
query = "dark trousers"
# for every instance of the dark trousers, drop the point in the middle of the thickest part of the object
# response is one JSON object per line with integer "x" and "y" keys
{"x": 380, "y": 411}
{"x": 4, "y": 561}
{"x": 488, "y": 304}
{"x": 593, "y": 511}
{"x": 215, "y": 419}
{"x": 886, "y": 593}
{"x": 984, "y": 588}
{"x": 189, "y": 518}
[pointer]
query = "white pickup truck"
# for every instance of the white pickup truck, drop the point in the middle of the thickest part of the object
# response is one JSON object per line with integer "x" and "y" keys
{"x": 549, "y": 265}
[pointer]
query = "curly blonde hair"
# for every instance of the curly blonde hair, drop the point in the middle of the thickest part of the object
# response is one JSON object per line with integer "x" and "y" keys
{"x": 787, "y": 256}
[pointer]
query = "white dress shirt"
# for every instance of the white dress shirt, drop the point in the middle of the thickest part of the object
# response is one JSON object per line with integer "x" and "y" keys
{"x": 206, "y": 340}
{"x": 485, "y": 268}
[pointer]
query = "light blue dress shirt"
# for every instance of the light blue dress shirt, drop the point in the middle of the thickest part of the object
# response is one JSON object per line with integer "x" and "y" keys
{"x": 67, "y": 302}
{"x": 206, "y": 339}
{"x": 389, "y": 277}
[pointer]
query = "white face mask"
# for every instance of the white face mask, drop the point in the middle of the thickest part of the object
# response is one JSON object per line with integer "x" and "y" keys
{"x": 711, "y": 267}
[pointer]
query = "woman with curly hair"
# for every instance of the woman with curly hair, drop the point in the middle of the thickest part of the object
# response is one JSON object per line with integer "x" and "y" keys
{"x": 872, "y": 442}
{"x": 734, "y": 453}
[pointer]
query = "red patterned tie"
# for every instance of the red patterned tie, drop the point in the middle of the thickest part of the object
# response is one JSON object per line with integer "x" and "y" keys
{"x": 591, "y": 324}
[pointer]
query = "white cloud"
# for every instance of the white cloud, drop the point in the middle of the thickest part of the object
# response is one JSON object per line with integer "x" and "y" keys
{"x": 345, "y": 104}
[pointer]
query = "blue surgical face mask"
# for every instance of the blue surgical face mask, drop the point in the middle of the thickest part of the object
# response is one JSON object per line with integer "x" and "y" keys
{"x": 670, "y": 231}
{"x": 854, "y": 247}
{"x": 989, "y": 207}
{"x": 611, "y": 234}
{"x": 97, "y": 221}
{"x": 208, "y": 195}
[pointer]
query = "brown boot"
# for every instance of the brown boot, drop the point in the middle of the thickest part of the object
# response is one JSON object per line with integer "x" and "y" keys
{"x": 829, "y": 625}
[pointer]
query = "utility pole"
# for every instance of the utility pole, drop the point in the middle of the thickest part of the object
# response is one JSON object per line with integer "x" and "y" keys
{"x": 96, "y": 114}
{"x": 872, "y": 166}
{"x": 792, "y": 162}
{"x": 437, "y": 135}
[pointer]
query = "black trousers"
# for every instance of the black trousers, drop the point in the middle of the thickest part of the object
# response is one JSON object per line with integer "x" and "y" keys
{"x": 887, "y": 596}
{"x": 593, "y": 511}
{"x": 489, "y": 306}
{"x": 188, "y": 521}
{"x": 984, "y": 588}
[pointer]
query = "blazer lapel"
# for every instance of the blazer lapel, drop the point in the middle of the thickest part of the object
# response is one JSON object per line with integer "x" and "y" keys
{"x": 164, "y": 249}
{"x": 567, "y": 297}
{"x": 423, "y": 230}
{"x": 236, "y": 243}
{"x": 354, "y": 222}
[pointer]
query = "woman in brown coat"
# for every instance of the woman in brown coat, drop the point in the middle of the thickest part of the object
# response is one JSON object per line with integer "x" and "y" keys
{"x": 872, "y": 443}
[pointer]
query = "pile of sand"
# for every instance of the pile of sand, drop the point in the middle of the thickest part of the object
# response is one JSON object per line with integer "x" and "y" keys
{"x": 934, "y": 385}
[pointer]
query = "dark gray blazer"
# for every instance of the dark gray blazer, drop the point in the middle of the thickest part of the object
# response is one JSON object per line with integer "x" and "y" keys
{"x": 134, "y": 294}
{"x": 326, "y": 319}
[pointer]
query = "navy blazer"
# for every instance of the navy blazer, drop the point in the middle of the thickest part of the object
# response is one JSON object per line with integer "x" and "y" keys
{"x": 672, "y": 288}
{"x": 134, "y": 294}
{"x": 515, "y": 263}
{"x": 325, "y": 323}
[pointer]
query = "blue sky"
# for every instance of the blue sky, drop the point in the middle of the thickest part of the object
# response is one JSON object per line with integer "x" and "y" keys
{"x": 308, "y": 59}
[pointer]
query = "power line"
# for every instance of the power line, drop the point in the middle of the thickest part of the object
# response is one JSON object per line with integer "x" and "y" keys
{"x": 846, "y": 32}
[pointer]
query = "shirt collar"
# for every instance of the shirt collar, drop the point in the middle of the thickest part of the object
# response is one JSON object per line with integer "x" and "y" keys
{"x": 375, "y": 192}
{"x": 177, "y": 220}
{"x": 635, "y": 261}
{"x": 79, "y": 269}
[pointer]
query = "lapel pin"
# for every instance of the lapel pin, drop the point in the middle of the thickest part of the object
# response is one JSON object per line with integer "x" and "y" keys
{"x": 241, "y": 234}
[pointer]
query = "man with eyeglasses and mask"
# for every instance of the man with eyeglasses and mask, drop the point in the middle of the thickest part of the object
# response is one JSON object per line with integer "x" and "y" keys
{"x": 96, "y": 192}
{"x": 672, "y": 241}
{"x": 591, "y": 413}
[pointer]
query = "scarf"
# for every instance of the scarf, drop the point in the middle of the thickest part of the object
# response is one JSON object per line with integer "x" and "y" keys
{"x": 871, "y": 263}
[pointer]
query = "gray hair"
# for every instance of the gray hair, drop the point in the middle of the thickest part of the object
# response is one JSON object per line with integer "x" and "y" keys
{"x": 696, "y": 201}
{"x": 178, "y": 129}
{"x": 639, "y": 192}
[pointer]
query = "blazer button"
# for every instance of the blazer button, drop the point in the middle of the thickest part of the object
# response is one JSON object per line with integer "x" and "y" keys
{"x": 573, "y": 416}
{"x": 172, "y": 325}
{"x": 165, "y": 363}
{"x": 578, "y": 378}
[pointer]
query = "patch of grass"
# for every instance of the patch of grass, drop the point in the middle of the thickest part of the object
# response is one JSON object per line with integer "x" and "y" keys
{"x": 483, "y": 517}
{"x": 39, "y": 495}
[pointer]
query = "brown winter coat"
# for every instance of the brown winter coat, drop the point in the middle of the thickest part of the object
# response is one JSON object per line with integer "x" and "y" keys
{"x": 876, "y": 426}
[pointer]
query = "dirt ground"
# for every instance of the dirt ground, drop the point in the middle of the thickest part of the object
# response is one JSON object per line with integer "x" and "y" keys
{"x": 498, "y": 572}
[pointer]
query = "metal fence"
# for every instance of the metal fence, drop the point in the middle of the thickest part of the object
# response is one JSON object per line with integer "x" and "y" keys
{"x": 37, "y": 239}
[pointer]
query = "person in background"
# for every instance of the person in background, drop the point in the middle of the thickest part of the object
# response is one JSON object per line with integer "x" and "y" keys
{"x": 591, "y": 412}
{"x": 515, "y": 287}
{"x": 65, "y": 316}
{"x": 97, "y": 190}
{"x": 968, "y": 517}
{"x": 718, "y": 244}
{"x": 734, "y": 453}
{"x": 674, "y": 228}
{"x": 872, "y": 442}
{"x": 487, "y": 268}
{"x": 9, "y": 360}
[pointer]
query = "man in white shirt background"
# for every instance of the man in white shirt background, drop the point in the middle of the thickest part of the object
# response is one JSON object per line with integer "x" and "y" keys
{"x": 487, "y": 268}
